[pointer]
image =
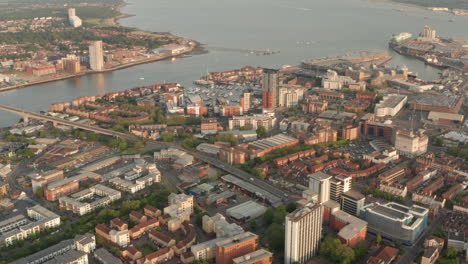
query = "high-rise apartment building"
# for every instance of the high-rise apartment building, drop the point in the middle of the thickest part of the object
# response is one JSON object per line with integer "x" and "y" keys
{"x": 71, "y": 12}
{"x": 245, "y": 101}
{"x": 303, "y": 233}
{"x": 96, "y": 57}
{"x": 319, "y": 183}
{"x": 270, "y": 88}
{"x": 339, "y": 185}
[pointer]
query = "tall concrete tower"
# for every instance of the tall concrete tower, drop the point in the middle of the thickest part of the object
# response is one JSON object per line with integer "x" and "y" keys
{"x": 303, "y": 233}
{"x": 71, "y": 12}
{"x": 270, "y": 88}
{"x": 245, "y": 101}
{"x": 96, "y": 57}
{"x": 319, "y": 183}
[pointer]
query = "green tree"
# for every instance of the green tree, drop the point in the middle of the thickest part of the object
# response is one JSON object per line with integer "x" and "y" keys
{"x": 253, "y": 225}
{"x": 360, "y": 250}
{"x": 378, "y": 239}
{"x": 268, "y": 216}
{"x": 131, "y": 205}
{"x": 261, "y": 131}
{"x": 366, "y": 190}
{"x": 439, "y": 142}
{"x": 291, "y": 207}
{"x": 451, "y": 253}
{"x": 275, "y": 237}
{"x": 40, "y": 191}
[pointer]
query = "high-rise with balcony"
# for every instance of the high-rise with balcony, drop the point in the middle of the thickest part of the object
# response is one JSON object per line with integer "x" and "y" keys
{"x": 339, "y": 185}
{"x": 270, "y": 88}
{"x": 96, "y": 57}
{"x": 303, "y": 233}
{"x": 319, "y": 183}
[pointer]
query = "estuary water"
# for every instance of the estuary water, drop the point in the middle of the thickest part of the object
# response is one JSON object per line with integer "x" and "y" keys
{"x": 300, "y": 29}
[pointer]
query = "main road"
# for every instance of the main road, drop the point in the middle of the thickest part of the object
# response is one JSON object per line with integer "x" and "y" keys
{"x": 157, "y": 144}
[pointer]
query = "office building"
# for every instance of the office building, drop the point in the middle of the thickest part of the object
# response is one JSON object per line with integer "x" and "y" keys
{"x": 395, "y": 221}
{"x": 352, "y": 202}
{"x": 96, "y": 56}
{"x": 339, "y": 185}
{"x": 270, "y": 87}
{"x": 303, "y": 234}
{"x": 319, "y": 183}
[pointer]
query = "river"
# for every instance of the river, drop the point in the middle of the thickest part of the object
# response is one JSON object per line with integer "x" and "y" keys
{"x": 300, "y": 29}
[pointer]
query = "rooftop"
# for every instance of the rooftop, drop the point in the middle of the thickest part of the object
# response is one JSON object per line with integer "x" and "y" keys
{"x": 354, "y": 195}
{"x": 236, "y": 239}
{"x": 436, "y": 100}
{"x": 253, "y": 257}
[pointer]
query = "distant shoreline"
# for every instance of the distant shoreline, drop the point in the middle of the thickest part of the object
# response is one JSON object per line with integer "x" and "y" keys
{"x": 416, "y": 5}
{"x": 115, "y": 22}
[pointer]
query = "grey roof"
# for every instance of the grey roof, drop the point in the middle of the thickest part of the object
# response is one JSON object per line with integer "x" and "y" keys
{"x": 435, "y": 100}
{"x": 68, "y": 257}
{"x": 69, "y": 243}
{"x": 105, "y": 257}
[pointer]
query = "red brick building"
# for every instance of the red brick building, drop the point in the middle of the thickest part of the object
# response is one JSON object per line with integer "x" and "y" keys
{"x": 236, "y": 246}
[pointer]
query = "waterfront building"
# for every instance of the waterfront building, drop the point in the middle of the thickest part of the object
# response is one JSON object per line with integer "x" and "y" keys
{"x": 303, "y": 234}
{"x": 333, "y": 81}
{"x": 96, "y": 57}
{"x": 428, "y": 34}
{"x": 270, "y": 87}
